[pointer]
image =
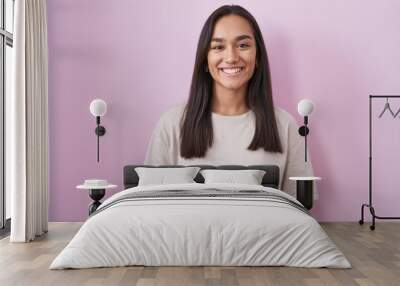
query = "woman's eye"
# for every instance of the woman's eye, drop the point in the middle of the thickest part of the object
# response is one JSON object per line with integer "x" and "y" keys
{"x": 217, "y": 47}
{"x": 243, "y": 46}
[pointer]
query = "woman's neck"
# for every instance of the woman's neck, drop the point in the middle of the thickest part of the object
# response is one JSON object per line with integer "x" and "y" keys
{"x": 229, "y": 102}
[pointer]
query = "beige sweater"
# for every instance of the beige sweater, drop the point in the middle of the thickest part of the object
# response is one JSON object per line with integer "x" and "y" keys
{"x": 232, "y": 136}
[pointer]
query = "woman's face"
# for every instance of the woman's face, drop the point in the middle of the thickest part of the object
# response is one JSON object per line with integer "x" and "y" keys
{"x": 232, "y": 54}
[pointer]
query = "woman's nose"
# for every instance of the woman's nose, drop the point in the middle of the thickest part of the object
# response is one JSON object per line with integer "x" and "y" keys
{"x": 231, "y": 55}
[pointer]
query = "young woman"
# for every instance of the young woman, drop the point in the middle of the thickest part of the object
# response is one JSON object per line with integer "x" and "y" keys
{"x": 230, "y": 117}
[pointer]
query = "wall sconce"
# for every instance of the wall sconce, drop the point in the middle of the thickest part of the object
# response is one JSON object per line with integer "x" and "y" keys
{"x": 305, "y": 108}
{"x": 98, "y": 108}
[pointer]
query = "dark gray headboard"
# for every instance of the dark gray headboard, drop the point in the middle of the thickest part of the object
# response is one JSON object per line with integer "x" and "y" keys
{"x": 271, "y": 177}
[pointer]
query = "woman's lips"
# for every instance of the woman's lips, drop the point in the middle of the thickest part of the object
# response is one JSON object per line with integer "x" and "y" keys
{"x": 231, "y": 71}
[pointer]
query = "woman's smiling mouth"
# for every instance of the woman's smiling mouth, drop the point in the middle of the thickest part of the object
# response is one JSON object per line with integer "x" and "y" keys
{"x": 231, "y": 71}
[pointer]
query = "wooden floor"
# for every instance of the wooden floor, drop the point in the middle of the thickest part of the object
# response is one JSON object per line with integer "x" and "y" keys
{"x": 375, "y": 257}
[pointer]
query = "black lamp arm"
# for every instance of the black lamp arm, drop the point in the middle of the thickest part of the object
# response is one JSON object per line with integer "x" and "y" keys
{"x": 100, "y": 131}
{"x": 303, "y": 131}
{"x": 305, "y": 120}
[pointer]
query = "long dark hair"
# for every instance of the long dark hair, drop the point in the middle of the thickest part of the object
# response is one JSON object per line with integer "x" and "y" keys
{"x": 196, "y": 124}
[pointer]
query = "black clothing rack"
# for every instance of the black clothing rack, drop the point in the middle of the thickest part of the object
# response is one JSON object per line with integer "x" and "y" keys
{"x": 369, "y": 205}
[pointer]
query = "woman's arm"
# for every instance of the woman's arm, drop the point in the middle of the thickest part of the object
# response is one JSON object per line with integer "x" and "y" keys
{"x": 163, "y": 146}
{"x": 158, "y": 149}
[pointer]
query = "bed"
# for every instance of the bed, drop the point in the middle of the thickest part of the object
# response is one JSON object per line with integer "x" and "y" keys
{"x": 201, "y": 224}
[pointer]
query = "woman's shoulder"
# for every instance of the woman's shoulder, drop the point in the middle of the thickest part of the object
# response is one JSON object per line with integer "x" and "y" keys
{"x": 284, "y": 118}
{"x": 172, "y": 116}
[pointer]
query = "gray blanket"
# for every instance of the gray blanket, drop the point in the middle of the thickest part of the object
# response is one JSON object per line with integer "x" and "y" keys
{"x": 202, "y": 194}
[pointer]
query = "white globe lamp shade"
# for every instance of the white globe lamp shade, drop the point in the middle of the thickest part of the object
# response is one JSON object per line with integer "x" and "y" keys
{"x": 98, "y": 107}
{"x": 305, "y": 107}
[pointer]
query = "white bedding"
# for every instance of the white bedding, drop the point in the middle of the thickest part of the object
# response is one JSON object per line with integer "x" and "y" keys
{"x": 200, "y": 231}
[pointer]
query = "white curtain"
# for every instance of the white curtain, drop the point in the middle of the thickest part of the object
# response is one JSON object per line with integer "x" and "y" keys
{"x": 27, "y": 123}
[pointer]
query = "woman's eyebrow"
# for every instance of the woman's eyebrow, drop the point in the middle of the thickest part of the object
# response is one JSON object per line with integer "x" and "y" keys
{"x": 217, "y": 40}
{"x": 243, "y": 37}
{"x": 238, "y": 38}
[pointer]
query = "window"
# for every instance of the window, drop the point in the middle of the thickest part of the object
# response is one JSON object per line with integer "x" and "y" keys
{"x": 6, "y": 57}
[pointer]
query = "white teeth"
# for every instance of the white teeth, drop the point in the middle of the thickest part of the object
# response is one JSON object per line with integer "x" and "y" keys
{"x": 232, "y": 70}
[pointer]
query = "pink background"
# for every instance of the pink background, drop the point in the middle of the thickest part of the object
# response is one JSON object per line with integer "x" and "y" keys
{"x": 139, "y": 56}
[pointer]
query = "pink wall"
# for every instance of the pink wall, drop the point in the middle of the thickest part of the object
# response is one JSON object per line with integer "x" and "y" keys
{"x": 139, "y": 55}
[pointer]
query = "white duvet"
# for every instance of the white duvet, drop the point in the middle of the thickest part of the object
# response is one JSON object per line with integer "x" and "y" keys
{"x": 200, "y": 231}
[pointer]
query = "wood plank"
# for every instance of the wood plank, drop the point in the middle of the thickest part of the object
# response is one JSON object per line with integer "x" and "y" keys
{"x": 375, "y": 257}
